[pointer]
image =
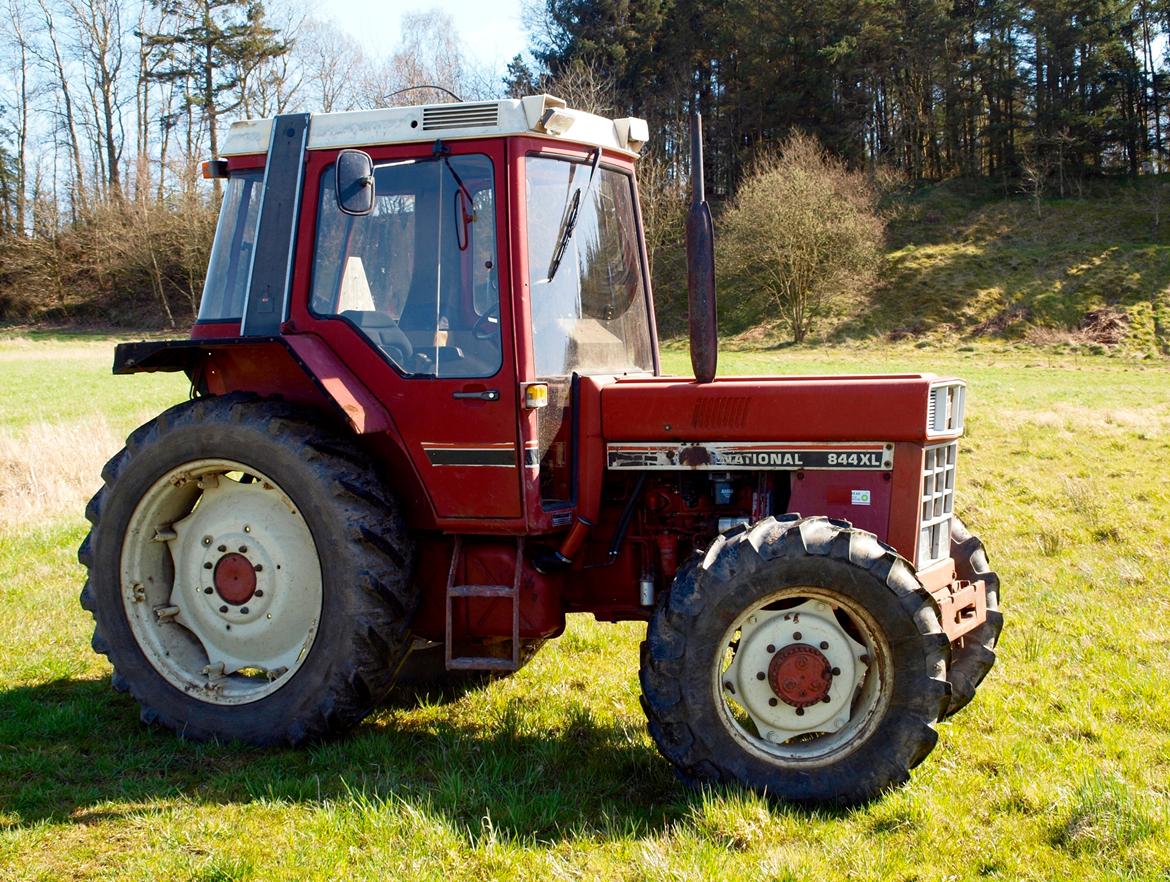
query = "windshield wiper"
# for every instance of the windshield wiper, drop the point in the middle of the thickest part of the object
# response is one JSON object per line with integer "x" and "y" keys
{"x": 569, "y": 222}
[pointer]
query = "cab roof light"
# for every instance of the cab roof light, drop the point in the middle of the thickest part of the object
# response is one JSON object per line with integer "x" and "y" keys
{"x": 556, "y": 121}
{"x": 215, "y": 169}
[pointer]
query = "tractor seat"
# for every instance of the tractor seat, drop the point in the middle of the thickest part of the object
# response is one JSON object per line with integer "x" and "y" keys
{"x": 384, "y": 332}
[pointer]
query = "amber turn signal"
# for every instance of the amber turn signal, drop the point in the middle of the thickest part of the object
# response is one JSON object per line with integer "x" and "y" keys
{"x": 535, "y": 395}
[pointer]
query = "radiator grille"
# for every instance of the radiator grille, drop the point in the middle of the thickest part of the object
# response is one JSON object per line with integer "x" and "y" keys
{"x": 938, "y": 503}
{"x": 461, "y": 116}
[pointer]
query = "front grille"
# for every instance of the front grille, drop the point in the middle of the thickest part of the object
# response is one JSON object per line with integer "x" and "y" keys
{"x": 938, "y": 503}
{"x": 461, "y": 116}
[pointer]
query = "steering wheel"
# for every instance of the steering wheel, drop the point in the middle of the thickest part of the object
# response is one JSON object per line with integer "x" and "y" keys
{"x": 487, "y": 326}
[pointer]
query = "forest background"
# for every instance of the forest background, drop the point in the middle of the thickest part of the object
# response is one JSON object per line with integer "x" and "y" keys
{"x": 1016, "y": 149}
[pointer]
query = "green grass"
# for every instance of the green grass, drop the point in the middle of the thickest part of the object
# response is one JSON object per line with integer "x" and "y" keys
{"x": 1059, "y": 770}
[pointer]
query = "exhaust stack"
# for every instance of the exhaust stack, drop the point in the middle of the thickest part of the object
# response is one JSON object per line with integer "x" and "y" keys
{"x": 701, "y": 267}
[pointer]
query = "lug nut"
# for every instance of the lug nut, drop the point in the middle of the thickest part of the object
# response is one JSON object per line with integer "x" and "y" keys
{"x": 771, "y": 648}
{"x": 836, "y": 672}
{"x": 259, "y": 567}
{"x": 258, "y": 592}
{"x": 222, "y": 548}
{"x": 824, "y": 644}
{"x": 800, "y": 711}
{"x": 243, "y": 549}
{"x": 827, "y": 699}
{"x": 223, "y": 609}
{"x": 772, "y": 702}
{"x": 206, "y": 590}
{"x": 207, "y": 565}
{"x": 761, "y": 675}
{"x": 243, "y": 610}
{"x": 796, "y": 636}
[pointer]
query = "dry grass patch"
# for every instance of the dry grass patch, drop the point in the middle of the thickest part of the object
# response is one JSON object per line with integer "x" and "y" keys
{"x": 49, "y": 470}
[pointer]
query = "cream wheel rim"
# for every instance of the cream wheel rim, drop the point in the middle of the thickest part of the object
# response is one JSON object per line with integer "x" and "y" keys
{"x": 221, "y": 581}
{"x": 802, "y": 675}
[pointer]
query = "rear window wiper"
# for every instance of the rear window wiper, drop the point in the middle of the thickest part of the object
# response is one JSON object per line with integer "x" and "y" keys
{"x": 569, "y": 222}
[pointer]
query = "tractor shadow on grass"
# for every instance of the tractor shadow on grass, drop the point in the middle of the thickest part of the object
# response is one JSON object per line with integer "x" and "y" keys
{"x": 73, "y": 751}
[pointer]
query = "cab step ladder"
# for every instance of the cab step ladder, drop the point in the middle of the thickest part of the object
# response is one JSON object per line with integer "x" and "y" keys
{"x": 512, "y": 592}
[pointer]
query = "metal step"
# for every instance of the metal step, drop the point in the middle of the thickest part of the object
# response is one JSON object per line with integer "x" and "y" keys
{"x": 496, "y": 591}
{"x": 493, "y": 592}
{"x": 480, "y": 663}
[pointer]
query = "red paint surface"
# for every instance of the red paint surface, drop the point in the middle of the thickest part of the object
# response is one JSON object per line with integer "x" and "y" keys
{"x": 831, "y": 494}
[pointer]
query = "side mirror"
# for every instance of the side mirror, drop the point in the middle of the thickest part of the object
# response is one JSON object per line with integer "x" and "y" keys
{"x": 355, "y": 182}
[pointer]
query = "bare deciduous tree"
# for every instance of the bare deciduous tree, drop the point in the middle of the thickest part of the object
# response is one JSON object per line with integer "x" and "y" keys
{"x": 802, "y": 232}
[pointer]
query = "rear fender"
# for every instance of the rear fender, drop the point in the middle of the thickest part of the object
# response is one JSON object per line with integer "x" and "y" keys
{"x": 299, "y": 368}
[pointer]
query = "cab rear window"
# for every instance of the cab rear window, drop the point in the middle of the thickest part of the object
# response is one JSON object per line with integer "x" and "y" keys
{"x": 230, "y": 267}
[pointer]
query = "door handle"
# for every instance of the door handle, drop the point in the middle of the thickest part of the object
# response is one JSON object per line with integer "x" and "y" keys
{"x": 482, "y": 395}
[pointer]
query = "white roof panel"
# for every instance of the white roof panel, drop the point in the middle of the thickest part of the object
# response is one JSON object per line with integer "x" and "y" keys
{"x": 537, "y": 115}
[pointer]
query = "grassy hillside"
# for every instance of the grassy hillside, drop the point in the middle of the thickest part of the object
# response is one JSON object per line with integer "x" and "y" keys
{"x": 1058, "y": 770}
{"x": 972, "y": 259}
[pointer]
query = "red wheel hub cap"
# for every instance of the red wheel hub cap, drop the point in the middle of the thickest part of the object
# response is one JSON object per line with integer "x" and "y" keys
{"x": 800, "y": 675}
{"x": 235, "y": 578}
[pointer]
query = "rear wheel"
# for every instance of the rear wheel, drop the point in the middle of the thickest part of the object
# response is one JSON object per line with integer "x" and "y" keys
{"x": 249, "y": 577}
{"x": 799, "y": 658}
{"x": 974, "y": 654}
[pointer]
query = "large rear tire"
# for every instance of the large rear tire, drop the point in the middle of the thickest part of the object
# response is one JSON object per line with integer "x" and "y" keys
{"x": 799, "y": 658}
{"x": 974, "y": 654}
{"x": 249, "y": 576}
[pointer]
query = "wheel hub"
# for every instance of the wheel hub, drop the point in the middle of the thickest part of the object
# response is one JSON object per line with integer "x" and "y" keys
{"x": 795, "y": 671}
{"x": 235, "y": 578}
{"x": 800, "y": 675}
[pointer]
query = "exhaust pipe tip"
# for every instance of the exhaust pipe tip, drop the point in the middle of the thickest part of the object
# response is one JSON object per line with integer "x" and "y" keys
{"x": 703, "y": 319}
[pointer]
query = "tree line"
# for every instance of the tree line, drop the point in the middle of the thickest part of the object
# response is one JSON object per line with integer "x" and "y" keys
{"x": 108, "y": 106}
{"x": 111, "y": 101}
{"x": 932, "y": 88}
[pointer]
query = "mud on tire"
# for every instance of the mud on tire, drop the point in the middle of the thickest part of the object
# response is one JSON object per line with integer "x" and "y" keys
{"x": 358, "y": 630}
{"x": 763, "y": 570}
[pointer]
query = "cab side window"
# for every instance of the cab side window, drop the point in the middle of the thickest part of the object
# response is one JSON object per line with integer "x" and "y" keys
{"x": 418, "y": 277}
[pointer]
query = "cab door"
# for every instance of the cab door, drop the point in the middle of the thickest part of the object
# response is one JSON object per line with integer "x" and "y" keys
{"x": 410, "y": 297}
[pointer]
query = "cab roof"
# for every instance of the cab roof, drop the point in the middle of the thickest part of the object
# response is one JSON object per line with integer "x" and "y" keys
{"x": 544, "y": 116}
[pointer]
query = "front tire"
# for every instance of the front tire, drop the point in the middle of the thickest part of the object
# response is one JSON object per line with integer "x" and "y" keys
{"x": 799, "y": 658}
{"x": 249, "y": 576}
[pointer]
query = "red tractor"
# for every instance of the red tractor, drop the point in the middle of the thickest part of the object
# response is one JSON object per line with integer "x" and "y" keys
{"x": 428, "y": 420}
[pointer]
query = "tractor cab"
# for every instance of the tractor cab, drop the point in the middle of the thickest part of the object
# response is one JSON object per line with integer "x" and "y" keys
{"x": 492, "y": 252}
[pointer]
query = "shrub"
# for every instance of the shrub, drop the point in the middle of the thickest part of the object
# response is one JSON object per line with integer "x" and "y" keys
{"x": 123, "y": 265}
{"x": 802, "y": 233}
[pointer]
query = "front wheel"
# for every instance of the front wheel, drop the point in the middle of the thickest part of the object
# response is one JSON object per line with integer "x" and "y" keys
{"x": 799, "y": 658}
{"x": 249, "y": 577}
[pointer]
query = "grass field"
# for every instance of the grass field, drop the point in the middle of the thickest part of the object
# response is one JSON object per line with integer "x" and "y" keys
{"x": 1059, "y": 770}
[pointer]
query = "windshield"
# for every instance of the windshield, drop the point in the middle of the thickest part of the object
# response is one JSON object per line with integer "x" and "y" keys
{"x": 591, "y": 315}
